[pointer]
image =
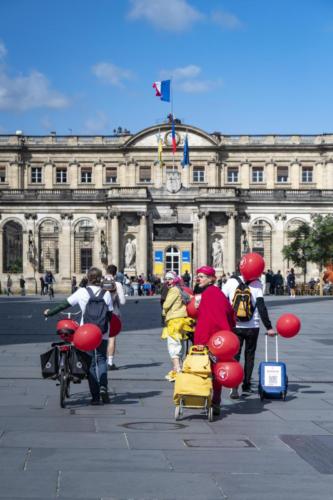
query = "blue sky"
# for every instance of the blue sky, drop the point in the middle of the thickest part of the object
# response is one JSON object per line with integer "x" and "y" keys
{"x": 238, "y": 66}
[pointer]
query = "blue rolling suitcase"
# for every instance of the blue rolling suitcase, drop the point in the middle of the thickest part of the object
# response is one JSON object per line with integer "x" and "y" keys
{"x": 273, "y": 380}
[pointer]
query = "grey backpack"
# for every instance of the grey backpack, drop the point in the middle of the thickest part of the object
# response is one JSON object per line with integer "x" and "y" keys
{"x": 97, "y": 311}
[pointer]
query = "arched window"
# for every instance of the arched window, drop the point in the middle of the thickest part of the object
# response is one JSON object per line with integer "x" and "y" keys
{"x": 83, "y": 246}
{"x": 48, "y": 236}
{"x": 261, "y": 240}
{"x": 12, "y": 247}
{"x": 172, "y": 259}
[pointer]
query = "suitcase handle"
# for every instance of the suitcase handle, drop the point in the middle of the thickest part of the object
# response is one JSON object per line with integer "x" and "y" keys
{"x": 198, "y": 349}
{"x": 276, "y": 347}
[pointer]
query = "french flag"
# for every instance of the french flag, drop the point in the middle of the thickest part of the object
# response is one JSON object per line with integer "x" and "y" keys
{"x": 173, "y": 137}
{"x": 163, "y": 90}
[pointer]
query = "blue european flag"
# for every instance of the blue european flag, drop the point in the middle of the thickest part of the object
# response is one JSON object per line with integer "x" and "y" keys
{"x": 186, "y": 157}
{"x": 165, "y": 90}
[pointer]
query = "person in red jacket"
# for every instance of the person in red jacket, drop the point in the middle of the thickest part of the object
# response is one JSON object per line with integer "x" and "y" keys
{"x": 214, "y": 313}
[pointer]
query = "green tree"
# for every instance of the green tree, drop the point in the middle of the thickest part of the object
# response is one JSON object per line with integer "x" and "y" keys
{"x": 297, "y": 250}
{"x": 311, "y": 243}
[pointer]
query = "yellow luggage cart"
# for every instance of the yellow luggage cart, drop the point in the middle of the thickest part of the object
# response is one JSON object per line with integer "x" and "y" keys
{"x": 193, "y": 386}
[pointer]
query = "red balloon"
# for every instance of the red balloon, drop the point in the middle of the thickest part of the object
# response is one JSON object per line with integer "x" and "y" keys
{"x": 87, "y": 337}
{"x": 288, "y": 325}
{"x": 251, "y": 266}
{"x": 192, "y": 311}
{"x": 115, "y": 325}
{"x": 67, "y": 327}
{"x": 224, "y": 345}
{"x": 228, "y": 373}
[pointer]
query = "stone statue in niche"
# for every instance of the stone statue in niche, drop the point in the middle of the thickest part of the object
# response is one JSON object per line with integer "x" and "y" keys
{"x": 217, "y": 253}
{"x": 130, "y": 253}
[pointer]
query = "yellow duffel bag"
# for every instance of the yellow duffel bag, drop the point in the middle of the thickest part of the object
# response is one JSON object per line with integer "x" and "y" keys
{"x": 188, "y": 384}
{"x": 197, "y": 361}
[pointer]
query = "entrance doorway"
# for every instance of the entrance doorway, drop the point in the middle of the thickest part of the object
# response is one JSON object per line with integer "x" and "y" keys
{"x": 172, "y": 259}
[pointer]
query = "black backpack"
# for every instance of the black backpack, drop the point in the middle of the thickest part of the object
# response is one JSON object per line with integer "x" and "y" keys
{"x": 242, "y": 301}
{"x": 97, "y": 311}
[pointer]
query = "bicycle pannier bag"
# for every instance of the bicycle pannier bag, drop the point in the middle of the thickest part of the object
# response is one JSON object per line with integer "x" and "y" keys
{"x": 79, "y": 363}
{"x": 50, "y": 363}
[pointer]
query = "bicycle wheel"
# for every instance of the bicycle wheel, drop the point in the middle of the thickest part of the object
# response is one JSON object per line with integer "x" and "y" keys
{"x": 63, "y": 388}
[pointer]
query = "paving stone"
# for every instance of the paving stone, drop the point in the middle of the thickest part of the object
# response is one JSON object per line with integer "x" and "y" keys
{"x": 275, "y": 486}
{"x": 64, "y": 424}
{"x": 13, "y": 458}
{"x": 244, "y": 460}
{"x": 84, "y": 440}
{"x": 139, "y": 485}
{"x": 28, "y": 484}
{"x": 98, "y": 460}
{"x": 151, "y": 425}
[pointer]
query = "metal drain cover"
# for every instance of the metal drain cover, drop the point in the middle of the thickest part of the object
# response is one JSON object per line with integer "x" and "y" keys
{"x": 153, "y": 426}
{"x": 211, "y": 442}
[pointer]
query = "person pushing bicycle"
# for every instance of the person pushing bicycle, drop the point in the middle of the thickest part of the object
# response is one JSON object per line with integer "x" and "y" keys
{"x": 97, "y": 377}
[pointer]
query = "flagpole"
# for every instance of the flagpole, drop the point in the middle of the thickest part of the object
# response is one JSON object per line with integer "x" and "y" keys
{"x": 173, "y": 122}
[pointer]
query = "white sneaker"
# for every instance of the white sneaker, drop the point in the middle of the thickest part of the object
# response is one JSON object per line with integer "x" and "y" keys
{"x": 234, "y": 393}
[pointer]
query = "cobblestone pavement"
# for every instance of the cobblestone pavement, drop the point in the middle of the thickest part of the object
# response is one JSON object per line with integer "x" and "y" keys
{"x": 133, "y": 448}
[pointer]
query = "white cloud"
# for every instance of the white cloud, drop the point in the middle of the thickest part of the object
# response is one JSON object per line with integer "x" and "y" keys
{"x": 170, "y": 15}
{"x": 190, "y": 71}
{"x": 226, "y": 20}
{"x": 3, "y": 50}
{"x": 111, "y": 74}
{"x": 199, "y": 86}
{"x": 22, "y": 93}
{"x": 97, "y": 124}
{"x": 186, "y": 79}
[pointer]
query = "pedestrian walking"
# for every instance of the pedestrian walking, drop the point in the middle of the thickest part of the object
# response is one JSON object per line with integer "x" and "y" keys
{"x": 291, "y": 283}
{"x": 97, "y": 378}
{"x": 177, "y": 324}
{"x": 214, "y": 313}
{"x": 9, "y": 285}
{"x": 74, "y": 284}
{"x": 42, "y": 285}
{"x": 247, "y": 324}
{"x": 118, "y": 299}
{"x": 22, "y": 285}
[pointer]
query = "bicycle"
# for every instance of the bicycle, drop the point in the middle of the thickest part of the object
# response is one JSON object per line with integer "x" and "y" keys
{"x": 50, "y": 291}
{"x": 64, "y": 375}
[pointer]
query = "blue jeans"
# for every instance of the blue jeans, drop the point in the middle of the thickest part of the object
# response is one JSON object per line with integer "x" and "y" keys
{"x": 98, "y": 374}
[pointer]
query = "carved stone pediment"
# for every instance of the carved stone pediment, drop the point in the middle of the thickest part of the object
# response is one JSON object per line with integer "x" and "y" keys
{"x": 173, "y": 183}
{"x": 173, "y": 232}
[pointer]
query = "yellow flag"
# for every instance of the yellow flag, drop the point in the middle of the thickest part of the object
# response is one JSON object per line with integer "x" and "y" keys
{"x": 160, "y": 150}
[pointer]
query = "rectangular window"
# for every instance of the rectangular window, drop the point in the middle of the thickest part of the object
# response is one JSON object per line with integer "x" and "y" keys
{"x": 257, "y": 174}
{"x": 86, "y": 175}
{"x": 282, "y": 174}
{"x": 2, "y": 174}
{"x": 111, "y": 175}
{"x": 198, "y": 174}
{"x": 36, "y": 175}
{"x": 145, "y": 174}
{"x": 85, "y": 259}
{"x": 307, "y": 174}
{"x": 61, "y": 175}
{"x": 232, "y": 173}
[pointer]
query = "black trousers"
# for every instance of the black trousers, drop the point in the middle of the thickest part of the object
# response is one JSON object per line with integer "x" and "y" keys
{"x": 250, "y": 337}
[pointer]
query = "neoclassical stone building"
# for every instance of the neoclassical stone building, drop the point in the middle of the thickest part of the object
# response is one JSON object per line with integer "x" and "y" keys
{"x": 69, "y": 202}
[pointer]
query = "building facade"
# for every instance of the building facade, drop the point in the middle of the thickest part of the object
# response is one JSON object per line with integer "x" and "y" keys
{"x": 69, "y": 202}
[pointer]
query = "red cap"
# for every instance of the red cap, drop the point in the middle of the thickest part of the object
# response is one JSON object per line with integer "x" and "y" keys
{"x": 207, "y": 270}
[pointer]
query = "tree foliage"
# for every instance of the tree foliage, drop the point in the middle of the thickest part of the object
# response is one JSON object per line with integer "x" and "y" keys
{"x": 311, "y": 243}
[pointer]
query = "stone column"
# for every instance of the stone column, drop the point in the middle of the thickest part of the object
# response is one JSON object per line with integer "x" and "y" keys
{"x": 278, "y": 237}
{"x": 202, "y": 238}
{"x": 158, "y": 174}
{"x": 295, "y": 172}
{"x": 48, "y": 175}
{"x": 142, "y": 247}
{"x": 245, "y": 175}
{"x": 101, "y": 240}
{"x": 30, "y": 252}
{"x": 65, "y": 248}
{"x": 231, "y": 241}
{"x": 329, "y": 174}
{"x": 270, "y": 174}
{"x": 186, "y": 176}
{"x": 115, "y": 238}
{"x": 319, "y": 174}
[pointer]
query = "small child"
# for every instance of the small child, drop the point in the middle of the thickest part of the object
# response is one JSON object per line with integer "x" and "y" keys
{"x": 177, "y": 323}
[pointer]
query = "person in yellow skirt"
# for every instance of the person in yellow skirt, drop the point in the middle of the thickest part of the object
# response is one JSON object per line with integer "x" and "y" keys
{"x": 177, "y": 323}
